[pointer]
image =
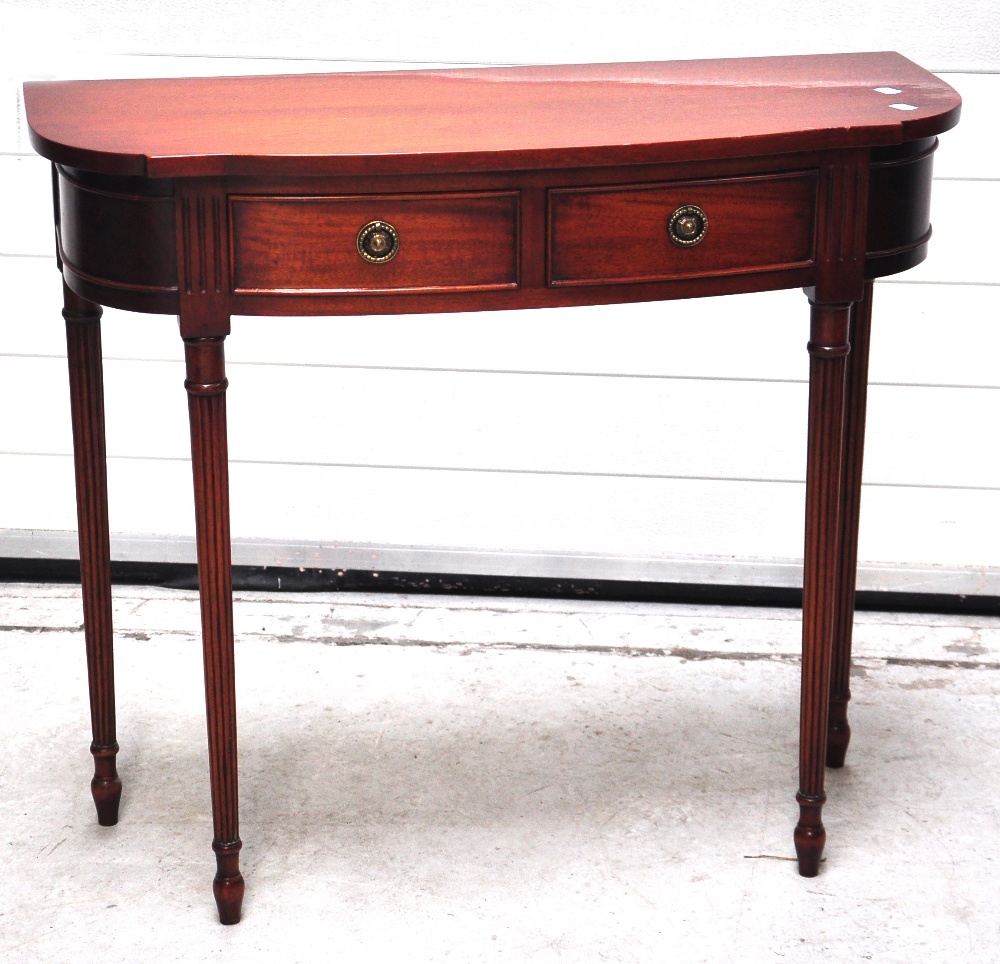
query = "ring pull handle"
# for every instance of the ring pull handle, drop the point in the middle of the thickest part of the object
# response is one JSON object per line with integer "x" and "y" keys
{"x": 688, "y": 226}
{"x": 378, "y": 242}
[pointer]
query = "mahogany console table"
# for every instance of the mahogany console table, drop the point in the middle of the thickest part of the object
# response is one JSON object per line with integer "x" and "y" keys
{"x": 469, "y": 190}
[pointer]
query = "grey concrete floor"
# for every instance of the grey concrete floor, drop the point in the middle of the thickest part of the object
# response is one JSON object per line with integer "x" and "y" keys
{"x": 459, "y": 779}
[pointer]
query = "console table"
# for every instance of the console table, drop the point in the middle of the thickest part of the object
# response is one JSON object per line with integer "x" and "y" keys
{"x": 470, "y": 190}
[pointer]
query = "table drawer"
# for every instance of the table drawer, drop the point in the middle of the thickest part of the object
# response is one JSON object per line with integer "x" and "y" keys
{"x": 460, "y": 242}
{"x": 620, "y": 233}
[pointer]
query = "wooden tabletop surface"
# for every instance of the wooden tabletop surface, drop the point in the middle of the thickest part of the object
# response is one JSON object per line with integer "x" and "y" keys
{"x": 502, "y": 118}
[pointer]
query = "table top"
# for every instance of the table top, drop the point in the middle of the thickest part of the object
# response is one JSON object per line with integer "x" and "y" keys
{"x": 486, "y": 119}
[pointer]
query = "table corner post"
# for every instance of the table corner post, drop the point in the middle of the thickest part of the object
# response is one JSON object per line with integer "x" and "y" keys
{"x": 842, "y": 205}
{"x": 206, "y": 385}
{"x": 204, "y": 318}
{"x": 828, "y": 350}
{"x": 856, "y": 402}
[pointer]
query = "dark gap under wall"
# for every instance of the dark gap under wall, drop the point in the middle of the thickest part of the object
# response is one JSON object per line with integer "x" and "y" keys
{"x": 274, "y": 579}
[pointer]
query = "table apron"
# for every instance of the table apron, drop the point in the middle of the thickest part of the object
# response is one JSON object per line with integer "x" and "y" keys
{"x": 474, "y": 242}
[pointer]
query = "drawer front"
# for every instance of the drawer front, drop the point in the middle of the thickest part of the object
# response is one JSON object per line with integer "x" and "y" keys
{"x": 620, "y": 234}
{"x": 460, "y": 242}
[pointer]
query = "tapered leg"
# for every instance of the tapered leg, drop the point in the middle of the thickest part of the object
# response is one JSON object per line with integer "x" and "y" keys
{"x": 839, "y": 734}
{"x": 86, "y": 389}
{"x": 206, "y": 387}
{"x": 828, "y": 348}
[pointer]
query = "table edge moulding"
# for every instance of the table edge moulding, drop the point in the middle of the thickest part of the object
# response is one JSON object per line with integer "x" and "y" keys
{"x": 479, "y": 189}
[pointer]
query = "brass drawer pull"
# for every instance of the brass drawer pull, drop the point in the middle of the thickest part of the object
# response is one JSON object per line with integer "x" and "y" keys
{"x": 378, "y": 242}
{"x": 688, "y": 225}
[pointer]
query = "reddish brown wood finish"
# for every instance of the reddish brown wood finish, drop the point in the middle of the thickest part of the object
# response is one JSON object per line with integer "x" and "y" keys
{"x": 608, "y": 235}
{"x": 86, "y": 391}
{"x": 841, "y": 226}
{"x": 203, "y": 285}
{"x": 206, "y": 387}
{"x": 840, "y": 262}
{"x": 899, "y": 206}
{"x": 456, "y": 242}
{"x": 531, "y": 187}
{"x": 828, "y": 348}
{"x": 839, "y": 733}
{"x": 129, "y": 210}
{"x": 132, "y": 263}
{"x": 485, "y": 119}
{"x": 202, "y": 258}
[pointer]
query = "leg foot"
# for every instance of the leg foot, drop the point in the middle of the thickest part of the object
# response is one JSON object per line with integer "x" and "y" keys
{"x": 810, "y": 834}
{"x": 106, "y": 787}
{"x": 838, "y": 735}
{"x": 228, "y": 885}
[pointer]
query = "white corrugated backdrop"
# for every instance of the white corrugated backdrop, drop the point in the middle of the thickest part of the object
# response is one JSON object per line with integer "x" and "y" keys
{"x": 602, "y": 442}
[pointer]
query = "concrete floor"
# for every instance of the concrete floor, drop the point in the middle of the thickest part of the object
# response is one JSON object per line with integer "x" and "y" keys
{"x": 459, "y": 779}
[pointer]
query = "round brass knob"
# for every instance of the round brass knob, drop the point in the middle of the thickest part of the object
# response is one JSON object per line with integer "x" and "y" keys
{"x": 378, "y": 242}
{"x": 688, "y": 225}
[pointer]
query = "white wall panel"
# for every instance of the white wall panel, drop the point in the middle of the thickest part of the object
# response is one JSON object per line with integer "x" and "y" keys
{"x": 549, "y": 442}
{"x": 970, "y": 149}
{"x": 963, "y": 247}
{"x": 511, "y": 517}
{"x": 31, "y": 322}
{"x": 923, "y": 334}
{"x": 935, "y": 334}
{"x": 948, "y": 34}
{"x": 25, "y": 200}
{"x": 553, "y": 424}
{"x": 10, "y": 115}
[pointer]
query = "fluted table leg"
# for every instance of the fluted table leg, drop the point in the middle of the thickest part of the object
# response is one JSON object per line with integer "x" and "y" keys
{"x": 86, "y": 389}
{"x": 828, "y": 348}
{"x": 206, "y": 386}
{"x": 839, "y": 733}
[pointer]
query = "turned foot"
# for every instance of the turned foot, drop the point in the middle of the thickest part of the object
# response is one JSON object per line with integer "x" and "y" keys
{"x": 810, "y": 834}
{"x": 838, "y": 735}
{"x": 228, "y": 885}
{"x": 106, "y": 787}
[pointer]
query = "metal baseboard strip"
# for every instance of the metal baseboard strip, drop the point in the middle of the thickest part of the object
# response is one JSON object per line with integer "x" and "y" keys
{"x": 36, "y": 544}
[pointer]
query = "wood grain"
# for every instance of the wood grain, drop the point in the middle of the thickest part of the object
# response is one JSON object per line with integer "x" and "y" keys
{"x": 460, "y": 241}
{"x": 828, "y": 349}
{"x": 484, "y": 119}
{"x": 779, "y": 150}
{"x": 206, "y": 387}
{"x": 839, "y": 733}
{"x": 86, "y": 382}
{"x": 608, "y": 235}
